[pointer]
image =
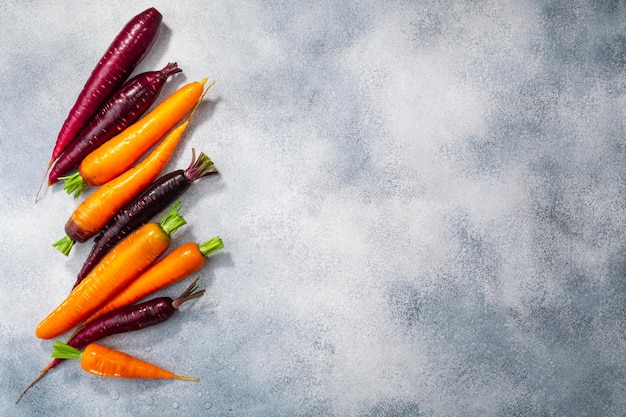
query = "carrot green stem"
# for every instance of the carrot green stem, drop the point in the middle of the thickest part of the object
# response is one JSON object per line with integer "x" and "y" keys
{"x": 172, "y": 220}
{"x": 64, "y": 351}
{"x": 64, "y": 245}
{"x": 200, "y": 167}
{"x": 74, "y": 184}
{"x": 190, "y": 293}
{"x": 211, "y": 246}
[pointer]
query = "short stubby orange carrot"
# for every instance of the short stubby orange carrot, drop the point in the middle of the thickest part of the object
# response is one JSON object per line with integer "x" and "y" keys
{"x": 96, "y": 210}
{"x": 119, "y": 153}
{"x": 178, "y": 264}
{"x": 119, "y": 267}
{"x": 103, "y": 361}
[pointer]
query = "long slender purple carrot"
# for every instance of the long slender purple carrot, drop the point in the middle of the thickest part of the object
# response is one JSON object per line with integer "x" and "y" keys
{"x": 128, "y": 48}
{"x": 123, "y": 320}
{"x": 145, "y": 206}
{"x": 120, "y": 111}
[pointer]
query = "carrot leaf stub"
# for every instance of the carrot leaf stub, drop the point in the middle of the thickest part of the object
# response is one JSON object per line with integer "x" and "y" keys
{"x": 64, "y": 245}
{"x": 74, "y": 184}
{"x": 172, "y": 221}
{"x": 211, "y": 246}
{"x": 62, "y": 350}
{"x": 201, "y": 167}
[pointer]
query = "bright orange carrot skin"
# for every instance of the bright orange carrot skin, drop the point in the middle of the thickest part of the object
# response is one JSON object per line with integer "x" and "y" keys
{"x": 178, "y": 264}
{"x": 122, "y": 151}
{"x": 127, "y": 260}
{"x": 103, "y": 361}
{"x": 97, "y": 209}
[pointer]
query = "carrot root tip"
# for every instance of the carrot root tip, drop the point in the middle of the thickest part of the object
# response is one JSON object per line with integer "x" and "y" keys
{"x": 43, "y": 373}
{"x": 43, "y": 180}
{"x": 187, "y": 378}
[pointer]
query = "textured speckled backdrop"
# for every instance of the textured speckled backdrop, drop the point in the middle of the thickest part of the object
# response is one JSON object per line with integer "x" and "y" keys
{"x": 422, "y": 204}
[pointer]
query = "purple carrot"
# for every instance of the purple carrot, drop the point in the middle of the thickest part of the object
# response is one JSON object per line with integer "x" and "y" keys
{"x": 128, "y": 48}
{"x": 126, "y": 51}
{"x": 123, "y": 320}
{"x": 120, "y": 111}
{"x": 145, "y": 206}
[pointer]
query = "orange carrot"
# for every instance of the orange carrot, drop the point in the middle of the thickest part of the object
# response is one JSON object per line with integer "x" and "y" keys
{"x": 97, "y": 209}
{"x": 119, "y": 267}
{"x": 103, "y": 361}
{"x": 122, "y": 151}
{"x": 178, "y": 264}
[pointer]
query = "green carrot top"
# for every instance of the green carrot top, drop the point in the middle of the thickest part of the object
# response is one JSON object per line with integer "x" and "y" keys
{"x": 211, "y": 246}
{"x": 172, "y": 220}
{"x": 62, "y": 350}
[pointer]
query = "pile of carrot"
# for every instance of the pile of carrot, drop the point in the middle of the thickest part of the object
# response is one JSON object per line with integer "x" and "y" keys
{"x": 119, "y": 144}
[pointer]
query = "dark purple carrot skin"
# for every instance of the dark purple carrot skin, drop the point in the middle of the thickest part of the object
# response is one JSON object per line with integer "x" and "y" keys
{"x": 120, "y": 111}
{"x": 133, "y": 317}
{"x": 128, "y": 48}
{"x": 159, "y": 195}
{"x": 126, "y": 319}
{"x": 123, "y": 320}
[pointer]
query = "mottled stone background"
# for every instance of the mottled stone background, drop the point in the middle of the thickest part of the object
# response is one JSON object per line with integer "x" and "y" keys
{"x": 422, "y": 204}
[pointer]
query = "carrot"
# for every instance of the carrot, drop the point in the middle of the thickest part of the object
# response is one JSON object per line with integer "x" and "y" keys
{"x": 96, "y": 210}
{"x": 103, "y": 361}
{"x": 178, "y": 264}
{"x": 125, "y": 262}
{"x": 146, "y": 205}
{"x": 126, "y": 51}
{"x": 122, "y": 151}
{"x": 100, "y": 207}
{"x": 124, "y": 107}
{"x": 126, "y": 319}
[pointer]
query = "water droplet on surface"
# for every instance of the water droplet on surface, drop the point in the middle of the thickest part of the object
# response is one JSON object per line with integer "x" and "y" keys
{"x": 149, "y": 401}
{"x": 268, "y": 331}
{"x": 199, "y": 395}
{"x": 115, "y": 395}
{"x": 215, "y": 365}
{"x": 208, "y": 405}
{"x": 175, "y": 404}
{"x": 73, "y": 395}
{"x": 268, "y": 320}
{"x": 233, "y": 368}
{"x": 212, "y": 302}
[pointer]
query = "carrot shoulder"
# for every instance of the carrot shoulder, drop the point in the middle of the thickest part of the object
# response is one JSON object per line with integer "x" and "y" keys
{"x": 120, "y": 266}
